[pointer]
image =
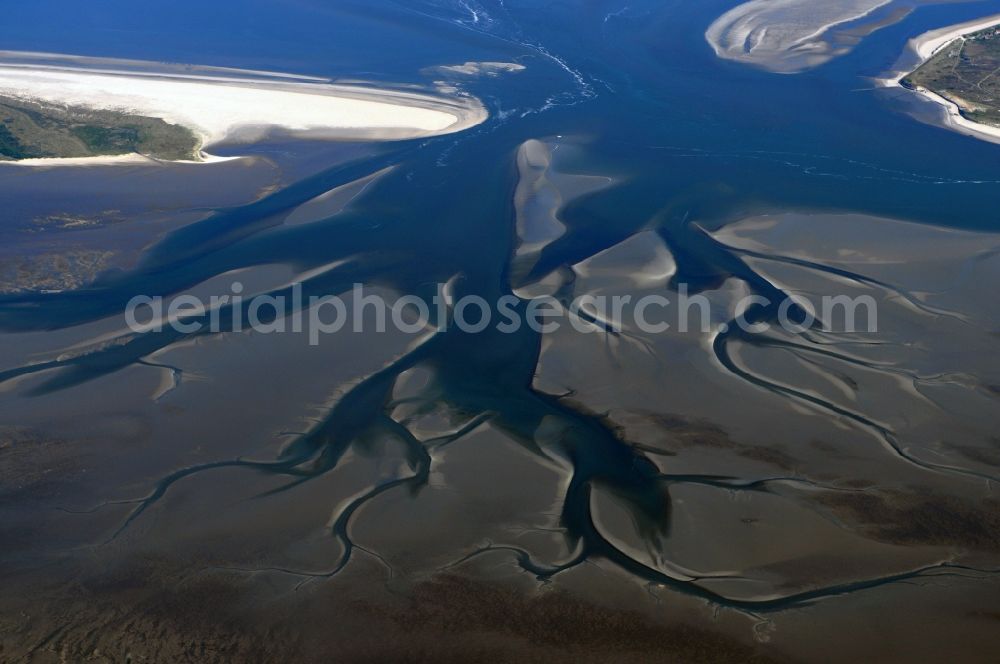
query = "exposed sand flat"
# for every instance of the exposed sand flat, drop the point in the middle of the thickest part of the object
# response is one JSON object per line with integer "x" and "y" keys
{"x": 785, "y": 36}
{"x": 110, "y": 65}
{"x": 492, "y": 69}
{"x": 924, "y": 47}
{"x": 239, "y": 107}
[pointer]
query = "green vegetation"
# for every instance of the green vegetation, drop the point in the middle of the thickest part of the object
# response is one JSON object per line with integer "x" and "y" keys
{"x": 10, "y": 146}
{"x": 966, "y": 73}
{"x": 29, "y": 129}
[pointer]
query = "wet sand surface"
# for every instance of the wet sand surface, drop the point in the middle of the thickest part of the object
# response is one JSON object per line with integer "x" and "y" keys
{"x": 160, "y": 490}
{"x": 594, "y": 494}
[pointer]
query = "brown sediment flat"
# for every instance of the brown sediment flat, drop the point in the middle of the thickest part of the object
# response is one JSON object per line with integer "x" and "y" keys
{"x": 152, "y": 611}
{"x": 629, "y": 496}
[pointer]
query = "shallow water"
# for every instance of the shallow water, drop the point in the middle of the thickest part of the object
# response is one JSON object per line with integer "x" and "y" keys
{"x": 774, "y": 491}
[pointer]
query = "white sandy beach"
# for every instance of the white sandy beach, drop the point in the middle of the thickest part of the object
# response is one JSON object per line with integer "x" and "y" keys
{"x": 929, "y": 43}
{"x": 925, "y": 46}
{"x": 244, "y": 108}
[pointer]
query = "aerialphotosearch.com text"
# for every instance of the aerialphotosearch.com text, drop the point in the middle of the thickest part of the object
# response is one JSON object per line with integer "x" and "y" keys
{"x": 367, "y": 310}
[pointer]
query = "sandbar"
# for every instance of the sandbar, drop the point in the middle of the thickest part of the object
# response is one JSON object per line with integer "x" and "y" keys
{"x": 243, "y": 107}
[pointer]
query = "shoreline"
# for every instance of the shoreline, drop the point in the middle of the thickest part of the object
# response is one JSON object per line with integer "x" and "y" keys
{"x": 127, "y": 159}
{"x": 926, "y": 46}
{"x": 235, "y": 107}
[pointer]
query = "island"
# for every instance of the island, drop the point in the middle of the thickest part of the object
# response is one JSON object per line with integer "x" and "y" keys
{"x": 58, "y": 107}
{"x": 34, "y": 130}
{"x": 963, "y": 74}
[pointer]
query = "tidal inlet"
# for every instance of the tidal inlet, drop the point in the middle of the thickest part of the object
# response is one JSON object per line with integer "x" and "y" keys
{"x": 500, "y": 331}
